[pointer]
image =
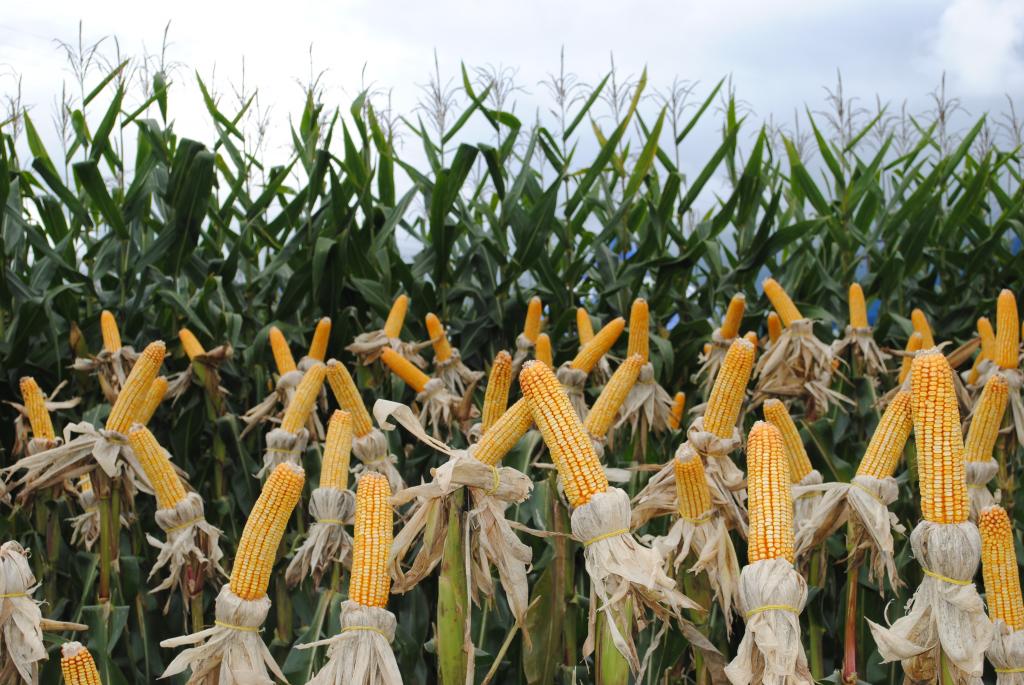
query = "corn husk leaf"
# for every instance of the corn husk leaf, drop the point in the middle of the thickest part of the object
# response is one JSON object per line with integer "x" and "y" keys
{"x": 1006, "y": 654}
{"x": 798, "y": 365}
{"x": 374, "y": 455}
{"x": 361, "y": 653}
{"x": 21, "y": 635}
{"x": 327, "y": 541}
{"x": 191, "y": 543}
{"x": 22, "y": 430}
{"x": 282, "y": 447}
{"x": 979, "y": 474}
{"x": 369, "y": 346}
{"x": 862, "y": 342}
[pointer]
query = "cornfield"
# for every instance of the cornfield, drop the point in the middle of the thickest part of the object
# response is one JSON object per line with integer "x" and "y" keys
{"x": 535, "y": 408}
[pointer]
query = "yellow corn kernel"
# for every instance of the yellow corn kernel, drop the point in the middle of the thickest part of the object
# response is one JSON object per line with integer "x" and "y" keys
{"x": 190, "y": 343}
{"x": 595, "y": 348}
{"x": 498, "y": 385}
{"x": 321, "y": 336}
{"x": 921, "y": 325}
{"x": 108, "y": 329}
{"x": 693, "y": 497}
{"x": 675, "y": 419}
{"x": 1007, "y": 330}
{"x": 707, "y": 348}
{"x": 988, "y": 416}
{"x": 988, "y": 337}
{"x": 85, "y": 483}
{"x": 639, "y": 329}
{"x": 770, "y": 502}
{"x": 442, "y": 348}
{"x": 889, "y": 439}
{"x": 404, "y": 369}
{"x": 914, "y": 344}
{"x": 602, "y": 414}
{"x": 348, "y": 397}
{"x": 157, "y": 390}
{"x": 584, "y": 326}
{"x": 499, "y": 439}
{"x": 781, "y": 302}
{"x": 282, "y": 353}
{"x": 858, "y": 310}
{"x": 136, "y": 387}
{"x": 337, "y": 450}
{"x": 77, "y": 665}
{"x": 531, "y": 327}
{"x": 751, "y": 337}
{"x": 941, "y": 465}
{"x": 799, "y": 463}
{"x": 370, "y": 583}
{"x": 578, "y": 466}
{"x": 396, "y": 317}
{"x": 156, "y": 463}
{"x": 730, "y": 387}
{"x": 35, "y": 407}
{"x": 774, "y": 327}
{"x": 999, "y": 568}
{"x": 257, "y": 549}
{"x": 733, "y": 317}
{"x": 306, "y": 394}
{"x": 542, "y": 350}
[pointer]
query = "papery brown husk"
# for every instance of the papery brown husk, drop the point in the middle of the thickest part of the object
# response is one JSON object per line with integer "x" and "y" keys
{"x": 711, "y": 362}
{"x": 282, "y": 447}
{"x": 862, "y": 342}
{"x": 805, "y": 497}
{"x": 192, "y": 543}
{"x": 21, "y": 637}
{"x": 574, "y": 383}
{"x": 273, "y": 404}
{"x": 798, "y": 365}
{"x": 327, "y": 541}
{"x": 211, "y": 362}
{"x": 979, "y": 473}
{"x": 85, "y": 527}
{"x": 1006, "y": 654}
{"x": 438, "y": 408}
{"x": 456, "y": 375}
{"x": 524, "y": 347}
{"x": 648, "y": 406}
{"x": 361, "y": 655}
{"x": 22, "y": 430}
{"x": 369, "y": 346}
{"x": 112, "y": 369}
{"x": 374, "y": 455}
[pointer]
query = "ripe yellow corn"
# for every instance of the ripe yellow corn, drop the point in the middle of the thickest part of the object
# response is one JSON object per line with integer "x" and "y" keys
{"x": 442, "y": 348}
{"x": 85, "y": 483}
{"x": 578, "y": 466}
{"x": 404, "y": 369}
{"x": 999, "y": 568}
{"x": 774, "y": 326}
{"x": 940, "y": 445}
{"x": 500, "y": 438}
{"x": 988, "y": 416}
{"x": 730, "y": 387}
{"x": 733, "y": 317}
{"x": 133, "y": 395}
{"x": 584, "y": 326}
{"x": 598, "y": 345}
{"x": 799, "y": 463}
{"x": 542, "y": 350}
{"x": 858, "y": 310}
{"x": 675, "y": 418}
{"x": 639, "y": 329}
{"x": 348, "y": 397}
{"x": 988, "y": 337}
{"x": 914, "y": 344}
{"x": 531, "y": 327}
{"x": 751, "y": 337}
{"x": 614, "y": 393}
{"x": 77, "y": 665}
{"x": 370, "y": 583}
{"x": 396, "y": 317}
{"x": 157, "y": 390}
{"x": 707, "y": 348}
{"x": 157, "y": 465}
{"x": 321, "y": 336}
{"x": 257, "y": 549}
{"x": 282, "y": 353}
{"x": 768, "y": 493}
{"x": 498, "y": 385}
{"x": 692, "y": 494}
{"x": 921, "y": 325}
{"x": 306, "y": 394}
{"x": 190, "y": 343}
{"x": 781, "y": 302}
{"x": 1007, "y": 330}
{"x": 108, "y": 329}
{"x": 337, "y": 450}
{"x": 890, "y": 437}
{"x": 35, "y": 407}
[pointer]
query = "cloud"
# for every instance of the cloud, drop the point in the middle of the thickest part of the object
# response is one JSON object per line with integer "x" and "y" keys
{"x": 981, "y": 44}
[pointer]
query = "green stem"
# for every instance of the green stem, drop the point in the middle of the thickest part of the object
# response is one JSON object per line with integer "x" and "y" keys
{"x": 102, "y": 486}
{"x": 817, "y": 630}
{"x": 612, "y": 668}
{"x": 452, "y": 600}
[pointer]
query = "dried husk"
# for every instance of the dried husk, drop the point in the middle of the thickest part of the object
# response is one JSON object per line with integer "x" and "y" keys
{"x": 439, "y": 409}
{"x": 272, "y": 404}
{"x": 361, "y": 653}
{"x": 211, "y": 361}
{"x": 22, "y": 430}
{"x": 863, "y": 344}
{"x": 524, "y": 347}
{"x": 231, "y": 652}
{"x": 574, "y": 383}
{"x": 456, "y": 375}
{"x": 648, "y": 406}
{"x": 112, "y": 369}
{"x": 374, "y": 455}
{"x": 21, "y": 635}
{"x": 979, "y": 473}
{"x": 711, "y": 362}
{"x": 369, "y": 346}
{"x": 282, "y": 447}
{"x": 85, "y": 527}
{"x": 771, "y": 652}
{"x": 945, "y": 612}
{"x": 327, "y": 541}
{"x": 798, "y": 365}
{"x": 726, "y": 481}
{"x": 191, "y": 543}
{"x": 1006, "y": 654}
{"x": 805, "y": 497}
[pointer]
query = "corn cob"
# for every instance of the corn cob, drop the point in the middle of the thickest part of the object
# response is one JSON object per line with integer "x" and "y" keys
{"x": 707, "y": 348}
{"x": 157, "y": 466}
{"x": 77, "y": 665}
{"x": 639, "y": 327}
{"x": 498, "y": 385}
{"x": 542, "y": 350}
{"x": 35, "y": 407}
{"x": 370, "y": 583}
{"x": 890, "y": 437}
{"x": 988, "y": 416}
{"x": 133, "y": 395}
{"x": 614, "y": 393}
{"x": 768, "y": 492}
{"x": 858, "y": 310}
{"x": 1007, "y": 331}
{"x": 584, "y": 326}
{"x": 396, "y": 317}
{"x": 999, "y": 568}
{"x": 730, "y": 386}
{"x": 157, "y": 390}
{"x": 301, "y": 404}
{"x": 799, "y": 463}
{"x": 988, "y": 347}
{"x": 404, "y": 369}
{"x": 348, "y": 397}
{"x": 321, "y": 336}
{"x": 257, "y": 550}
{"x": 675, "y": 418}
{"x": 914, "y": 344}
{"x": 921, "y": 325}
{"x": 442, "y": 348}
{"x": 108, "y": 329}
{"x": 940, "y": 447}
{"x": 598, "y": 345}
{"x": 781, "y": 302}
{"x": 693, "y": 497}
{"x": 337, "y": 450}
{"x": 531, "y": 327}
{"x": 578, "y": 466}
{"x": 774, "y": 326}
{"x": 500, "y": 438}
{"x": 190, "y": 343}
{"x": 751, "y": 337}
{"x": 282, "y": 353}
{"x": 733, "y": 317}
